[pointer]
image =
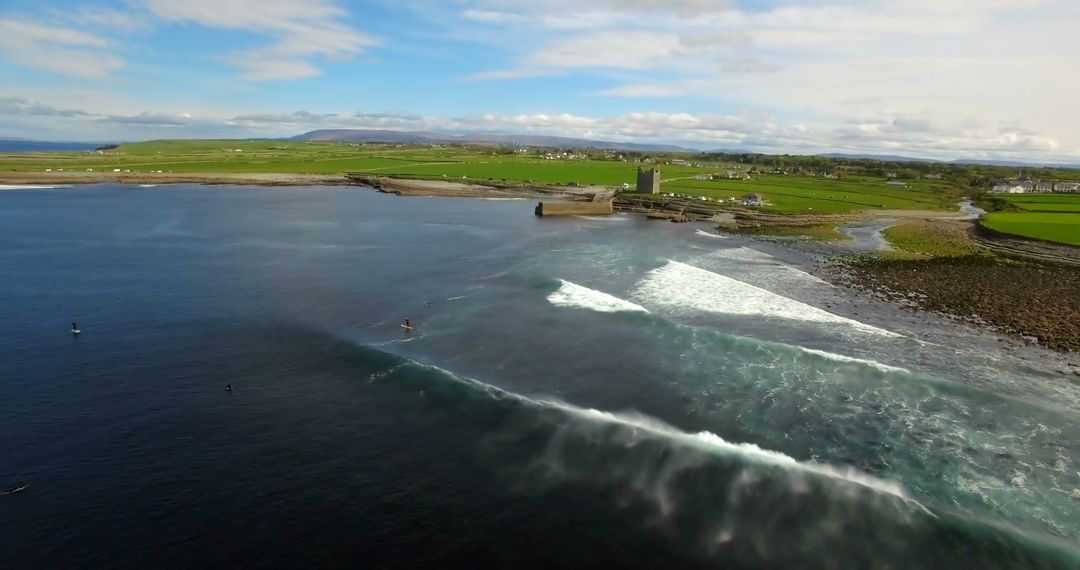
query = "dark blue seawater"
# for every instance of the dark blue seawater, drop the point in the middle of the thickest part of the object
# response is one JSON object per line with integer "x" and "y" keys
{"x": 10, "y": 145}
{"x": 577, "y": 392}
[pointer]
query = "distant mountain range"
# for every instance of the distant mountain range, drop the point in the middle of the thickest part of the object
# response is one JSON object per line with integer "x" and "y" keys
{"x": 959, "y": 161}
{"x": 415, "y": 137}
{"x": 881, "y": 157}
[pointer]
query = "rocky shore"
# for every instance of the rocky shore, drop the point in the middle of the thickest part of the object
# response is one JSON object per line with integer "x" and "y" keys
{"x": 1038, "y": 302}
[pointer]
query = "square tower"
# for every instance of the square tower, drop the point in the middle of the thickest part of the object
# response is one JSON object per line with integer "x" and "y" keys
{"x": 648, "y": 181}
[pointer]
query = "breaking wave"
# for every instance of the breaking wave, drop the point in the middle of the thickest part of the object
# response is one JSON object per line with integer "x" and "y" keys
{"x": 686, "y": 288}
{"x": 701, "y": 495}
{"x": 640, "y": 425}
{"x": 853, "y": 360}
{"x": 574, "y": 295}
{"x": 710, "y": 234}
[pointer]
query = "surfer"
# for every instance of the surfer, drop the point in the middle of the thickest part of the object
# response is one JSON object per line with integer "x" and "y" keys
{"x": 407, "y": 326}
{"x": 74, "y": 327}
{"x": 228, "y": 387}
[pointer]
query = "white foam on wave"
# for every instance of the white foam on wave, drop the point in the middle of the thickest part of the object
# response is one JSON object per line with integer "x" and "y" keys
{"x": 574, "y": 295}
{"x": 611, "y": 218}
{"x": 853, "y": 360}
{"x": 147, "y": 185}
{"x": 704, "y": 440}
{"x": 31, "y": 186}
{"x": 743, "y": 253}
{"x": 750, "y": 255}
{"x": 687, "y": 288}
{"x": 710, "y": 234}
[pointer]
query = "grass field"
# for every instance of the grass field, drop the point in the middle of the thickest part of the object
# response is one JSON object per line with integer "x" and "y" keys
{"x": 1058, "y": 227}
{"x": 781, "y": 193}
{"x": 1066, "y": 203}
{"x": 800, "y": 194}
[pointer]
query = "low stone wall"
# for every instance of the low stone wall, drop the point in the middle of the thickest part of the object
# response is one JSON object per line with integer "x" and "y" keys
{"x": 572, "y": 208}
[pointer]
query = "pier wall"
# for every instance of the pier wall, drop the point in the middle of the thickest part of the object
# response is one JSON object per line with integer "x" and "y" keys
{"x": 573, "y": 208}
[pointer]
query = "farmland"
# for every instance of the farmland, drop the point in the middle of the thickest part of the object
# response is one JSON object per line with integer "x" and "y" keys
{"x": 781, "y": 193}
{"x": 1066, "y": 203}
{"x": 1057, "y": 227}
{"x": 1049, "y": 217}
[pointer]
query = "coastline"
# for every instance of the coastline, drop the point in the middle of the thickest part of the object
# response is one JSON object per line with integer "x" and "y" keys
{"x": 1029, "y": 302}
{"x": 1044, "y": 297}
{"x": 211, "y": 178}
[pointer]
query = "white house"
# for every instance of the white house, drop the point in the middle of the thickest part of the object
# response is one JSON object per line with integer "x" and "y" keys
{"x": 1044, "y": 187}
{"x": 896, "y": 184}
{"x": 1013, "y": 187}
{"x": 1067, "y": 187}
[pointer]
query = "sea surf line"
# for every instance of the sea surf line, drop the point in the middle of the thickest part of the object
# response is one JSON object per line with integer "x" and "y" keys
{"x": 686, "y": 288}
{"x": 703, "y": 440}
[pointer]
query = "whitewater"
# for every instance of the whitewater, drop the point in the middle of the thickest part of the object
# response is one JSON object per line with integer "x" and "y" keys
{"x": 639, "y": 394}
{"x": 687, "y": 289}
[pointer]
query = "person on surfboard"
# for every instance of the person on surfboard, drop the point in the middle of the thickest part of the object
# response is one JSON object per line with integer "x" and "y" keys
{"x": 74, "y": 327}
{"x": 407, "y": 326}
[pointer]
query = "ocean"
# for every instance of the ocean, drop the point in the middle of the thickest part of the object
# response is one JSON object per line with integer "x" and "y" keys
{"x": 608, "y": 391}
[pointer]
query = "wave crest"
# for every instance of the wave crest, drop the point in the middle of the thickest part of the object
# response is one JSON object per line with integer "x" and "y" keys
{"x": 574, "y": 295}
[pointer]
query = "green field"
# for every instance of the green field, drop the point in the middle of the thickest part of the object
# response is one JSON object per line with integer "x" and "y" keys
{"x": 1065, "y": 203}
{"x": 801, "y": 194}
{"x": 1059, "y": 227}
{"x": 781, "y": 193}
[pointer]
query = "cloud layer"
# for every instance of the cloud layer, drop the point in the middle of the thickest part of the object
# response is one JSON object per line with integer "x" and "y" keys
{"x": 898, "y": 135}
{"x": 935, "y": 78}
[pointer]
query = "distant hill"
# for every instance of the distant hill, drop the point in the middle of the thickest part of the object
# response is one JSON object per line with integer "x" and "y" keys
{"x": 1015, "y": 163}
{"x": 880, "y": 157}
{"x": 419, "y": 137}
{"x": 25, "y": 145}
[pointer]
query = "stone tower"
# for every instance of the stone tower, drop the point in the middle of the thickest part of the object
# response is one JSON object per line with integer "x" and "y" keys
{"x": 648, "y": 181}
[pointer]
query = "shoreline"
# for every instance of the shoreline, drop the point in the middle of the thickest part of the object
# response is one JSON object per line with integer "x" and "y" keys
{"x": 1028, "y": 303}
{"x": 1044, "y": 296}
{"x": 208, "y": 178}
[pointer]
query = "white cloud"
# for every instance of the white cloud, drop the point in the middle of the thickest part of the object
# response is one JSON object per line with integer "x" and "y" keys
{"x": 57, "y": 49}
{"x": 126, "y": 21}
{"x": 300, "y": 30}
{"x": 945, "y": 63}
{"x": 903, "y": 134}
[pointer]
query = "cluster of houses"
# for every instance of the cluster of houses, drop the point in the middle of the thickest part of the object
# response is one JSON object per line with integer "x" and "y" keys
{"x": 1031, "y": 186}
{"x": 729, "y": 175}
{"x": 565, "y": 156}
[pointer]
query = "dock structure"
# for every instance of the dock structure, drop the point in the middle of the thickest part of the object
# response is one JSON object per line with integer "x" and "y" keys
{"x": 648, "y": 181}
{"x": 573, "y": 208}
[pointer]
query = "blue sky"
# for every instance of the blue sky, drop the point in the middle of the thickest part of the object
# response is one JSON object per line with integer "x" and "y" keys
{"x": 932, "y": 78}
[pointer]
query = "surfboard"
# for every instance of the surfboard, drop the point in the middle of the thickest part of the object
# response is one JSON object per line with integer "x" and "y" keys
{"x": 407, "y": 327}
{"x": 75, "y": 331}
{"x": 16, "y": 489}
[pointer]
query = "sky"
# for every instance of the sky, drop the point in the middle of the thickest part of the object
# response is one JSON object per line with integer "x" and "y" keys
{"x": 946, "y": 79}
